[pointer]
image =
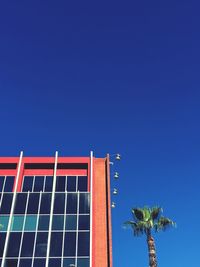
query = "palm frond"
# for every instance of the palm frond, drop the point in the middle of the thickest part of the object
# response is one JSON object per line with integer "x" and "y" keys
{"x": 155, "y": 212}
{"x": 164, "y": 223}
{"x": 138, "y": 213}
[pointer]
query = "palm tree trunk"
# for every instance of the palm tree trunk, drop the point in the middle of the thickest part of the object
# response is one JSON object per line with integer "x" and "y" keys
{"x": 152, "y": 250}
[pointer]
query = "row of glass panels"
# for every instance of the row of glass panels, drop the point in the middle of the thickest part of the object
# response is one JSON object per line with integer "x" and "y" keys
{"x": 41, "y": 223}
{"x": 34, "y": 203}
{"x": 6, "y": 183}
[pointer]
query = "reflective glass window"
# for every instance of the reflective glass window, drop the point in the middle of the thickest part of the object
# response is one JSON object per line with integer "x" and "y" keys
{"x": 68, "y": 262}
{"x": 45, "y": 203}
{"x": 4, "y": 223}
{"x": 59, "y": 203}
{"x": 9, "y": 184}
{"x": 84, "y": 222}
{"x": 25, "y": 263}
{"x": 20, "y": 204}
{"x": 11, "y": 262}
{"x": 2, "y": 243}
{"x": 60, "y": 183}
{"x": 71, "y": 222}
{"x": 83, "y": 262}
{"x": 82, "y": 183}
{"x": 56, "y": 244}
{"x": 33, "y": 203}
{"x": 30, "y": 223}
{"x": 70, "y": 244}
{"x": 83, "y": 243}
{"x": 58, "y": 221}
{"x": 28, "y": 184}
{"x": 84, "y": 204}
{"x": 48, "y": 184}
{"x": 43, "y": 223}
{"x": 71, "y": 183}
{"x": 27, "y": 244}
{"x": 1, "y": 182}
{"x": 71, "y": 203}
{"x": 41, "y": 244}
{"x": 17, "y": 223}
{"x": 38, "y": 184}
{"x": 54, "y": 262}
{"x": 6, "y": 204}
{"x": 39, "y": 263}
{"x": 13, "y": 244}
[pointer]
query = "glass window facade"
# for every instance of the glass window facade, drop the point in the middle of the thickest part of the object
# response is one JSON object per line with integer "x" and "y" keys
{"x": 30, "y": 229}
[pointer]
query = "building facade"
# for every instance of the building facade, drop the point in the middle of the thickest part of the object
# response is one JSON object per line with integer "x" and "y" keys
{"x": 55, "y": 212}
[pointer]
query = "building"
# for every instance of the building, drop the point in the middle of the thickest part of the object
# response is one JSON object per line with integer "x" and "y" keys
{"x": 55, "y": 212}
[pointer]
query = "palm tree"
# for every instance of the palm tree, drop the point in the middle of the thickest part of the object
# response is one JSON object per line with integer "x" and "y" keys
{"x": 144, "y": 221}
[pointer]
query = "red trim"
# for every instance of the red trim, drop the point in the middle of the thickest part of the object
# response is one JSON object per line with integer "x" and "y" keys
{"x": 8, "y": 172}
{"x": 58, "y": 172}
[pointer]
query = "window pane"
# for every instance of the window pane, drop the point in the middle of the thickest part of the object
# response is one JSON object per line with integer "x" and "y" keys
{"x": 59, "y": 203}
{"x": 56, "y": 244}
{"x": 11, "y": 263}
{"x": 1, "y": 182}
{"x": 20, "y": 203}
{"x": 30, "y": 223}
{"x": 58, "y": 221}
{"x": 71, "y": 183}
{"x": 70, "y": 244}
{"x": 82, "y": 183}
{"x": 41, "y": 244}
{"x": 17, "y": 223}
{"x": 83, "y": 243}
{"x": 68, "y": 262}
{"x": 33, "y": 203}
{"x": 60, "y": 183}
{"x": 25, "y": 263}
{"x": 45, "y": 203}
{"x": 83, "y": 262}
{"x": 2, "y": 243}
{"x": 39, "y": 263}
{"x": 48, "y": 184}
{"x": 13, "y": 245}
{"x": 3, "y": 223}
{"x": 84, "y": 206}
{"x": 54, "y": 262}
{"x": 38, "y": 184}
{"x": 84, "y": 222}
{"x": 71, "y": 203}
{"x": 9, "y": 184}
{"x": 28, "y": 244}
{"x": 43, "y": 223}
{"x": 28, "y": 184}
{"x": 6, "y": 204}
{"x": 71, "y": 222}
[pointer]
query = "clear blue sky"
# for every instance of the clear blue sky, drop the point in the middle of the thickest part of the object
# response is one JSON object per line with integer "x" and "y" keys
{"x": 111, "y": 77}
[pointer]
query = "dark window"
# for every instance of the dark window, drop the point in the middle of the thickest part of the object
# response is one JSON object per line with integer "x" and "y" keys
{"x": 1, "y": 182}
{"x": 28, "y": 184}
{"x": 38, "y": 184}
{"x": 39, "y": 263}
{"x": 60, "y": 183}
{"x": 41, "y": 244}
{"x": 71, "y": 222}
{"x": 70, "y": 244}
{"x": 33, "y": 203}
{"x": 27, "y": 244}
{"x": 84, "y": 222}
{"x": 58, "y": 221}
{"x": 71, "y": 183}
{"x": 84, "y": 205}
{"x": 45, "y": 203}
{"x": 82, "y": 183}
{"x": 68, "y": 262}
{"x": 43, "y": 223}
{"x": 59, "y": 203}
{"x": 54, "y": 262}
{"x": 83, "y": 243}
{"x": 48, "y": 184}
{"x": 9, "y": 166}
{"x": 13, "y": 245}
{"x": 20, "y": 203}
{"x": 84, "y": 262}
{"x": 11, "y": 262}
{"x": 9, "y": 184}
{"x": 6, "y": 204}
{"x": 71, "y": 203}
{"x": 56, "y": 244}
{"x": 25, "y": 263}
{"x": 2, "y": 243}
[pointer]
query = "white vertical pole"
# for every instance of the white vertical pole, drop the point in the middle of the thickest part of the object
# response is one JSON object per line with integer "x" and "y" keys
{"x": 12, "y": 209}
{"x": 51, "y": 211}
{"x": 91, "y": 205}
